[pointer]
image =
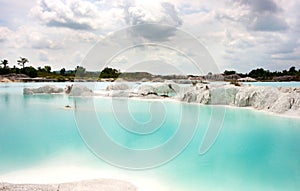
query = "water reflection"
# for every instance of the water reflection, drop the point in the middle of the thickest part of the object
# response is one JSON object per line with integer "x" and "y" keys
{"x": 6, "y": 98}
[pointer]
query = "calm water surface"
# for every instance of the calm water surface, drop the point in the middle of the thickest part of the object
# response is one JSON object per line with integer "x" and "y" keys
{"x": 254, "y": 150}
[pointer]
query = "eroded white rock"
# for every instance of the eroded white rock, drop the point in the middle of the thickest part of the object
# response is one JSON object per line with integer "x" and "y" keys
{"x": 277, "y": 100}
{"x": 43, "y": 90}
{"x": 117, "y": 86}
{"x": 80, "y": 90}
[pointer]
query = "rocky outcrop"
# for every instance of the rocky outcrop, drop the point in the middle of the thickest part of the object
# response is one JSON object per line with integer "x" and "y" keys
{"x": 146, "y": 90}
{"x": 231, "y": 77}
{"x": 273, "y": 99}
{"x": 79, "y": 90}
{"x": 247, "y": 79}
{"x": 5, "y": 80}
{"x": 168, "y": 89}
{"x": 12, "y": 77}
{"x": 221, "y": 77}
{"x": 117, "y": 86}
{"x": 73, "y": 90}
{"x": 157, "y": 80}
{"x": 214, "y": 77}
{"x": 286, "y": 78}
{"x": 198, "y": 94}
{"x": 164, "y": 89}
{"x": 43, "y": 90}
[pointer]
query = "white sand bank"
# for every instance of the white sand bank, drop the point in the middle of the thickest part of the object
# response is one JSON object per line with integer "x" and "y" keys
{"x": 64, "y": 174}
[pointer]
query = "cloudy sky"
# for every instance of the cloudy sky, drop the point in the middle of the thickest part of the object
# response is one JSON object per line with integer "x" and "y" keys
{"x": 238, "y": 34}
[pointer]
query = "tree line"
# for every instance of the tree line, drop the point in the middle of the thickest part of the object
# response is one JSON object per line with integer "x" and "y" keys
{"x": 60, "y": 75}
{"x": 79, "y": 71}
{"x": 27, "y": 70}
{"x": 262, "y": 74}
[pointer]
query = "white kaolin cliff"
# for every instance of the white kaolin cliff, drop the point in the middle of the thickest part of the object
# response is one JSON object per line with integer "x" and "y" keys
{"x": 282, "y": 100}
{"x": 273, "y": 99}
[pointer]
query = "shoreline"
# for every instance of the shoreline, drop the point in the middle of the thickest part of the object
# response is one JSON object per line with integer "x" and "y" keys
{"x": 53, "y": 175}
{"x": 102, "y": 93}
{"x": 67, "y": 166}
{"x": 294, "y": 115}
{"x": 282, "y": 101}
{"x": 83, "y": 185}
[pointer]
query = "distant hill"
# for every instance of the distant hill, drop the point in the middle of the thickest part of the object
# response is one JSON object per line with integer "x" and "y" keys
{"x": 136, "y": 76}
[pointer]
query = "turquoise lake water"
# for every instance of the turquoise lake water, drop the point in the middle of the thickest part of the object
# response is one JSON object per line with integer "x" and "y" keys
{"x": 254, "y": 150}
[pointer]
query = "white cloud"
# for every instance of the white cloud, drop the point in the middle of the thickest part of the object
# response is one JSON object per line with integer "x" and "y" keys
{"x": 147, "y": 12}
{"x": 78, "y": 56}
{"x": 43, "y": 56}
{"x": 155, "y": 59}
{"x": 4, "y": 34}
{"x": 261, "y": 6}
{"x": 240, "y": 34}
{"x": 31, "y": 37}
{"x": 75, "y": 14}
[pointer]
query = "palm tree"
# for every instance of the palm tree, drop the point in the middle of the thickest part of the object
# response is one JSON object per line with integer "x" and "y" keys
{"x": 4, "y": 63}
{"x": 22, "y": 61}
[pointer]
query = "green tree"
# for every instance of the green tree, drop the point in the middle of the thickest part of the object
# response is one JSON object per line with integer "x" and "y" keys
{"x": 47, "y": 69}
{"x": 79, "y": 71}
{"x": 109, "y": 73}
{"x": 285, "y": 72}
{"x": 62, "y": 71}
{"x": 292, "y": 70}
{"x": 5, "y": 69}
{"x": 231, "y": 72}
{"x": 260, "y": 73}
{"x": 22, "y": 61}
{"x": 30, "y": 71}
{"x": 14, "y": 69}
{"x": 4, "y": 63}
